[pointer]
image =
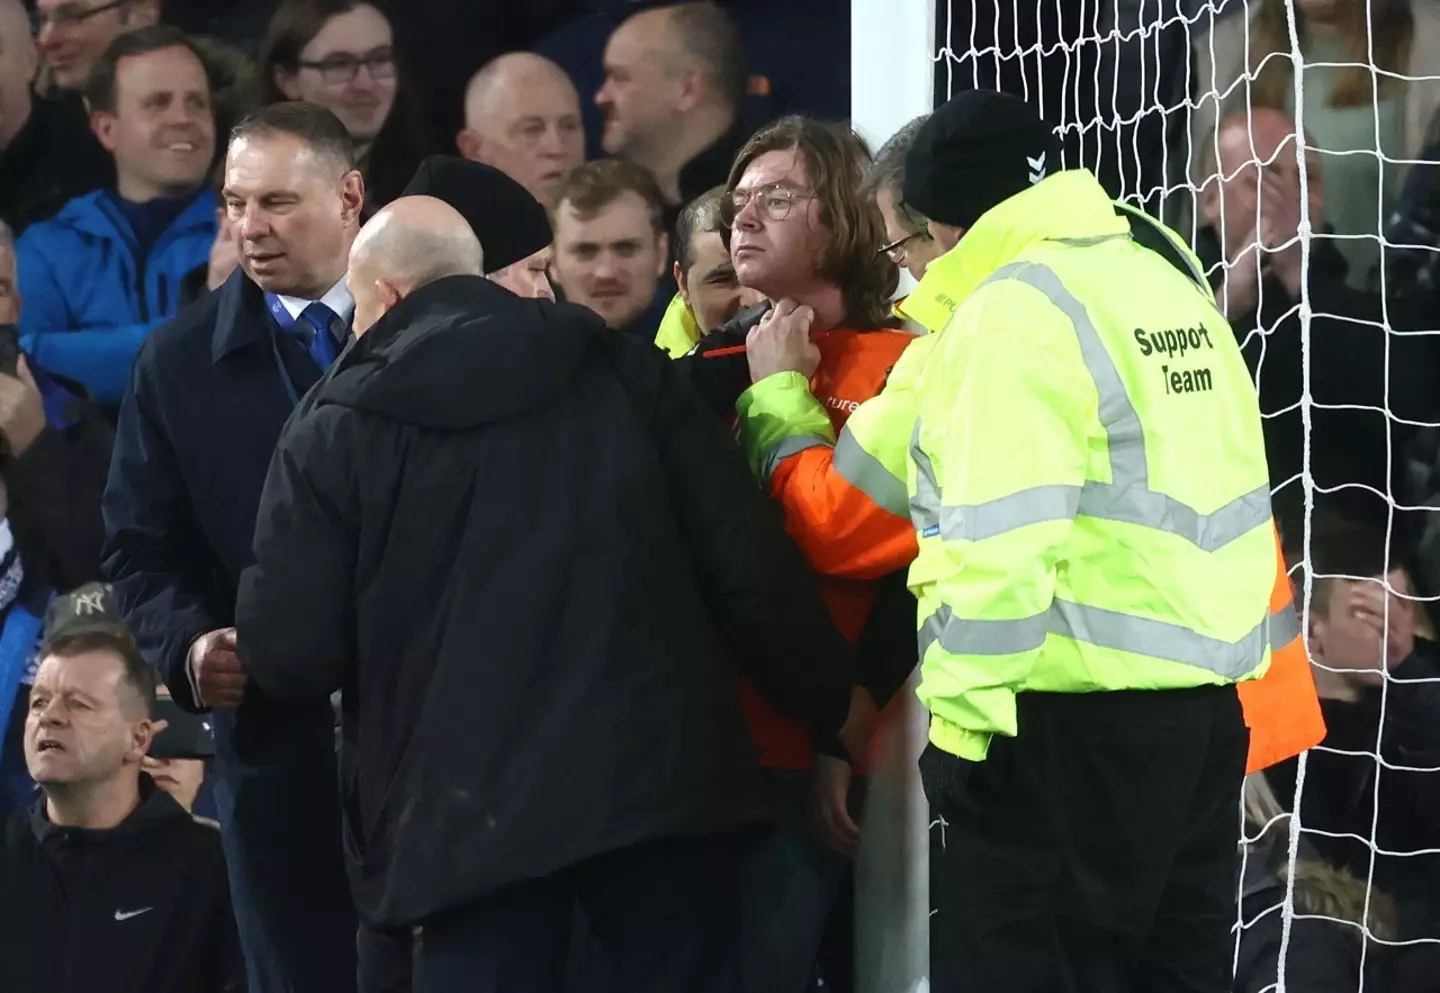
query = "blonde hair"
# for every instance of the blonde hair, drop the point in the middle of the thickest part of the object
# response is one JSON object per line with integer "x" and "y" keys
{"x": 1394, "y": 29}
{"x": 1320, "y": 888}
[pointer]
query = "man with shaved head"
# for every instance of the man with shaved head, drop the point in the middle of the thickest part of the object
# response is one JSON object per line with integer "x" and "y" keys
{"x": 522, "y": 116}
{"x": 467, "y": 526}
{"x": 674, "y": 78}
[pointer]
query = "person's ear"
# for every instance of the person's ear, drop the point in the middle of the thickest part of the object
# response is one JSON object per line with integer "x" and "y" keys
{"x": 390, "y": 294}
{"x": 352, "y": 196}
{"x": 142, "y": 736}
{"x": 286, "y": 82}
{"x": 468, "y": 143}
{"x": 104, "y": 124}
{"x": 947, "y": 236}
{"x": 1209, "y": 199}
{"x": 143, "y": 14}
{"x": 692, "y": 90}
{"x": 664, "y": 256}
{"x": 679, "y": 275}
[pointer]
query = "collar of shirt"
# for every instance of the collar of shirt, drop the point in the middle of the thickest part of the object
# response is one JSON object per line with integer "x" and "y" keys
{"x": 337, "y": 298}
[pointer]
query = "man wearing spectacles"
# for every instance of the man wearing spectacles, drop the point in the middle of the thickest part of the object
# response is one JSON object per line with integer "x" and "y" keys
{"x": 73, "y": 34}
{"x": 907, "y": 242}
{"x": 349, "y": 69}
{"x": 800, "y": 234}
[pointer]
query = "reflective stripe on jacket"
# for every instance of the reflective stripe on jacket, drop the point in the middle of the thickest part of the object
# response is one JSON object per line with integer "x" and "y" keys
{"x": 1088, "y": 473}
{"x": 792, "y": 454}
{"x": 810, "y": 444}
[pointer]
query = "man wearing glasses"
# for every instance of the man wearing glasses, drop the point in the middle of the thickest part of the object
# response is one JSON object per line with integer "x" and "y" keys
{"x": 800, "y": 234}
{"x": 73, "y": 34}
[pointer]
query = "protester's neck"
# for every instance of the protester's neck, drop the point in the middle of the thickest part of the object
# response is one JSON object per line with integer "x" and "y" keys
{"x": 827, "y": 300}
{"x": 11, "y": 124}
{"x": 94, "y": 806}
{"x": 699, "y": 130}
{"x": 135, "y": 190}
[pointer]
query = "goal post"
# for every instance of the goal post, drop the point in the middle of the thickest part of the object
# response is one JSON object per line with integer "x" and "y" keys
{"x": 892, "y": 77}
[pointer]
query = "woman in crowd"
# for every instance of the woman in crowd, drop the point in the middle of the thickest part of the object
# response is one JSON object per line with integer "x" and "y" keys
{"x": 340, "y": 54}
{"x": 1350, "y": 111}
{"x": 1324, "y": 955}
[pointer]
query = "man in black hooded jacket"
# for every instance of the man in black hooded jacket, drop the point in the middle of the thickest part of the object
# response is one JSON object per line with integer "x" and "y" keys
{"x": 526, "y": 552}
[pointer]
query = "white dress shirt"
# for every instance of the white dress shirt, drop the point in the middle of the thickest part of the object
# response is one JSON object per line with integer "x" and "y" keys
{"x": 337, "y": 298}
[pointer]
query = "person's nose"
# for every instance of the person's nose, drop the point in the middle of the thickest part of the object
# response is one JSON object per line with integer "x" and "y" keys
{"x": 252, "y": 224}
{"x": 747, "y": 218}
{"x": 607, "y": 266}
{"x": 552, "y": 143}
{"x": 604, "y": 97}
{"x": 48, "y": 34}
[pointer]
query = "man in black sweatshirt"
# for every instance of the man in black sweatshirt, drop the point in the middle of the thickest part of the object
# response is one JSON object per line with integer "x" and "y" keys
{"x": 108, "y": 884}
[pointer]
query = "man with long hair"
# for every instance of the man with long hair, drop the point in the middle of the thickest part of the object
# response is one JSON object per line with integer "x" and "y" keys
{"x": 800, "y": 234}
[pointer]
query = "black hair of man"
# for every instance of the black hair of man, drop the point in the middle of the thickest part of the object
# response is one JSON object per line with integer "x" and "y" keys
{"x": 100, "y": 89}
{"x": 699, "y": 216}
{"x": 708, "y": 34}
{"x": 139, "y": 674}
{"x": 317, "y": 127}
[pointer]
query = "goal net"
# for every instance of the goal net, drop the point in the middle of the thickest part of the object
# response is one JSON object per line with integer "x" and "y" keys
{"x": 1290, "y": 141}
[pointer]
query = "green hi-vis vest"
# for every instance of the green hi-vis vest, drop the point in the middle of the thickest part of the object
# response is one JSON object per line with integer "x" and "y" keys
{"x": 1087, "y": 477}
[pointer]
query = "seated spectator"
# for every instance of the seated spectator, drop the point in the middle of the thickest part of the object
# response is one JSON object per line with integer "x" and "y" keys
{"x": 674, "y": 77}
{"x": 510, "y": 223}
{"x": 1254, "y": 206}
{"x": 340, "y": 55}
{"x": 47, "y": 155}
{"x": 1368, "y": 98}
{"x": 710, "y": 294}
{"x": 74, "y": 35}
{"x": 522, "y": 115}
{"x": 907, "y": 236}
{"x": 610, "y": 244}
{"x": 1359, "y": 642}
{"x": 54, "y": 457}
{"x": 1325, "y": 955}
{"x": 108, "y": 879}
{"x": 107, "y": 269}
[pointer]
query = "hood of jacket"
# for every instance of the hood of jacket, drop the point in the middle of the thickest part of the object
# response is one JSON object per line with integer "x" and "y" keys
{"x": 462, "y": 352}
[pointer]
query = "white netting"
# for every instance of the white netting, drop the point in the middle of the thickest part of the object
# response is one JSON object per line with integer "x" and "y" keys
{"x": 1151, "y": 95}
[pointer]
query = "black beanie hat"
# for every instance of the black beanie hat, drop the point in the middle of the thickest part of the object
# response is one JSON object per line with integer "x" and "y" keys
{"x": 509, "y": 222}
{"x": 980, "y": 148}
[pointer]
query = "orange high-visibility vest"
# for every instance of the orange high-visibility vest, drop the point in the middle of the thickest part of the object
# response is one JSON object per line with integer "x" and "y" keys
{"x": 1282, "y": 709}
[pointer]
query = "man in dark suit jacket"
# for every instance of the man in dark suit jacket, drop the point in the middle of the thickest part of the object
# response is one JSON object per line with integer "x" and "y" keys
{"x": 207, "y": 399}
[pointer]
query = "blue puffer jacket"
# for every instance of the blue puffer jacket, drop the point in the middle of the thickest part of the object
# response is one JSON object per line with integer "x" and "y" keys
{"x": 87, "y": 302}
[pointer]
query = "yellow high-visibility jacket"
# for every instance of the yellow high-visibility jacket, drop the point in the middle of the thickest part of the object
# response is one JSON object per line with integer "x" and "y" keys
{"x": 1087, "y": 476}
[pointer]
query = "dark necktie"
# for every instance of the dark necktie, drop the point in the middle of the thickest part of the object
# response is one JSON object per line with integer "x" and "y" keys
{"x": 321, "y": 321}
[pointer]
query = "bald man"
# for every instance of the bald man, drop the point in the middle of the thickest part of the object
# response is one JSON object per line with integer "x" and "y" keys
{"x": 526, "y": 552}
{"x": 1252, "y": 200}
{"x": 408, "y": 245}
{"x": 674, "y": 77}
{"x": 522, "y": 116}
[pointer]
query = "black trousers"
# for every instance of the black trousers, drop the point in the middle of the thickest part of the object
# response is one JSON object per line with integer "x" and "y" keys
{"x": 1095, "y": 852}
{"x": 664, "y": 917}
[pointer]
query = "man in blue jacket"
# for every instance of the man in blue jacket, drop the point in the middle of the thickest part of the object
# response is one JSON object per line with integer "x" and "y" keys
{"x": 208, "y": 396}
{"x": 107, "y": 269}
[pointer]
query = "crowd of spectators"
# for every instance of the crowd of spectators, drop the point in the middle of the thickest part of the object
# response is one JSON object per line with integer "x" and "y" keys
{"x": 656, "y": 164}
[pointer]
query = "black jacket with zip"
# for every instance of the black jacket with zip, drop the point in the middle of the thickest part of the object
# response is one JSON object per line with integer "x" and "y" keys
{"x": 143, "y": 907}
{"x": 526, "y": 551}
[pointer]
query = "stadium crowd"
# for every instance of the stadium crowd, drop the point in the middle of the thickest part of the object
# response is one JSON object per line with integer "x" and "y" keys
{"x": 204, "y": 206}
